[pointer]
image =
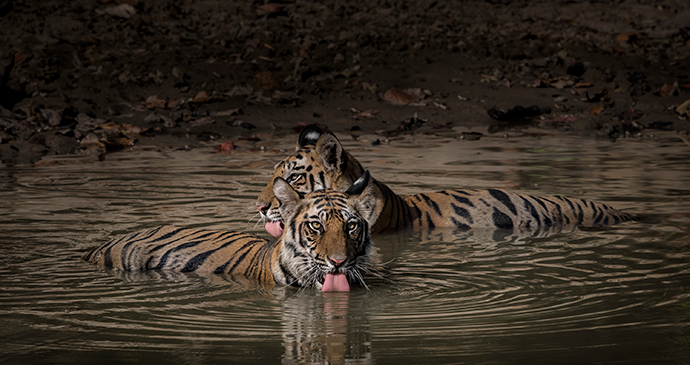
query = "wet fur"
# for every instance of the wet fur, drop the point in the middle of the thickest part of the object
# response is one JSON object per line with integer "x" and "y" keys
{"x": 300, "y": 257}
{"x": 462, "y": 208}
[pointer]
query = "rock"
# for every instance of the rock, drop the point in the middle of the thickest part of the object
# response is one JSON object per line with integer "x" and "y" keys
{"x": 124, "y": 11}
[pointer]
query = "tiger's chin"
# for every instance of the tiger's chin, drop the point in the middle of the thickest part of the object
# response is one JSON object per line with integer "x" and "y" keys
{"x": 274, "y": 228}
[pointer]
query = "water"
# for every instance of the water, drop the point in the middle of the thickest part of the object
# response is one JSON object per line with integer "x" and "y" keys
{"x": 605, "y": 295}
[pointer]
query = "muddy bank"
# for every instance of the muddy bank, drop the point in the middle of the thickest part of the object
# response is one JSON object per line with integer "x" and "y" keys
{"x": 99, "y": 76}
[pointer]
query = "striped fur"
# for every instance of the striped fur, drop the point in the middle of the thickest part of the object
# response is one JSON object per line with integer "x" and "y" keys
{"x": 321, "y": 163}
{"x": 325, "y": 233}
{"x": 464, "y": 209}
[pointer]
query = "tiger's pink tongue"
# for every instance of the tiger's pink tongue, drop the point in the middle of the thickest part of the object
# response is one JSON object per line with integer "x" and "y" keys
{"x": 335, "y": 282}
{"x": 274, "y": 229}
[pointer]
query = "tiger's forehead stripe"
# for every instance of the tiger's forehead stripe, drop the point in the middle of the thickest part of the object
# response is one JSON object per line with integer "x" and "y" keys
{"x": 329, "y": 203}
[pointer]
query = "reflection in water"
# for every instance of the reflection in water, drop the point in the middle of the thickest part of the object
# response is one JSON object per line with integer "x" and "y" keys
{"x": 317, "y": 329}
{"x": 595, "y": 295}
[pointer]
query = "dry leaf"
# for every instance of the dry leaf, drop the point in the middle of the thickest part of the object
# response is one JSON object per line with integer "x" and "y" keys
{"x": 91, "y": 141}
{"x": 124, "y": 11}
{"x": 398, "y": 97}
{"x": 153, "y": 102}
{"x": 228, "y": 113}
{"x": 109, "y": 125}
{"x": 176, "y": 103}
{"x": 125, "y": 142}
{"x": 269, "y": 8}
{"x": 226, "y": 147}
{"x": 560, "y": 84}
{"x": 130, "y": 128}
{"x": 684, "y": 108}
{"x": 303, "y": 53}
{"x": 366, "y": 114}
{"x": 201, "y": 121}
{"x": 201, "y": 97}
{"x": 53, "y": 116}
{"x": 667, "y": 90}
{"x": 266, "y": 80}
{"x": 583, "y": 84}
{"x": 368, "y": 87}
{"x": 626, "y": 37}
{"x": 418, "y": 93}
{"x": 596, "y": 109}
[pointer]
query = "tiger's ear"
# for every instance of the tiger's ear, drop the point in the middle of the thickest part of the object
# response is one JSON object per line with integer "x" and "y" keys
{"x": 287, "y": 196}
{"x": 309, "y": 135}
{"x": 363, "y": 193}
{"x": 331, "y": 152}
{"x": 358, "y": 186}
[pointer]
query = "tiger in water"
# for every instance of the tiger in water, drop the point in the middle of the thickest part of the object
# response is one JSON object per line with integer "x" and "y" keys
{"x": 326, "y": 244}
{"x": 320, "y": 162}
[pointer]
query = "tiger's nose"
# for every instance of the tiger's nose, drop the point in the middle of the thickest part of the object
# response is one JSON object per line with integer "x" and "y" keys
{"x": 336, "y": 261}
{"x": 262, "y": 208}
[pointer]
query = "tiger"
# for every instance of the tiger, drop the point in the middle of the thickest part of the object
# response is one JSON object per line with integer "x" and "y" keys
{"x": 320, "y": 162}
{"x": 335, "y": 167}
{"x": 326, "y": 244}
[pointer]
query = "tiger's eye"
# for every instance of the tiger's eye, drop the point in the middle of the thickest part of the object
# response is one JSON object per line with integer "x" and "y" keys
{"x": 293, "y": 178}
{"x": 352, "y": 225}
{"x": 316, "y": 226}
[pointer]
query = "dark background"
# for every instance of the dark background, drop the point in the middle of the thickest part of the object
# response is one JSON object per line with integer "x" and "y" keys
{"x": 96, "y": 76}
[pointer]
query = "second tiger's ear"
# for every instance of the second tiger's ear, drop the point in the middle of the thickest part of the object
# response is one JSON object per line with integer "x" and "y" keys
{"x": 287, "y": 196}
{"x": 358, "y": 186}
{"x": 331, "y": 152}
{"x": 309, "y": 135}
{"x": 363, "y": 193}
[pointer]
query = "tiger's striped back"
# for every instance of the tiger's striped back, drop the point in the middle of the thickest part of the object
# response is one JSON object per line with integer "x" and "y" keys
{"x": 491, "y": 208}
{"x": 462, "y": 208}
{"x": 202, "y": 251}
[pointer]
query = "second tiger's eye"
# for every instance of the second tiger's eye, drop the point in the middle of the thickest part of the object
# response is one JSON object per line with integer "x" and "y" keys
{"x": 293, "y": 178}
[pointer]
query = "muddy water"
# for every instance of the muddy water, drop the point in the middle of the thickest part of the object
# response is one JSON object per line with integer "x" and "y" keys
{"x": 615, "y": 295}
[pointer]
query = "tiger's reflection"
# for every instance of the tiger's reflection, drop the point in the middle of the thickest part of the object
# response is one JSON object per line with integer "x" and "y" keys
{"x": 328, "y": 328}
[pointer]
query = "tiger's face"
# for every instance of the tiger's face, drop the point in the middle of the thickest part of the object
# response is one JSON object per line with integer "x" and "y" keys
{"x": 326, "y": 241}
{"x": 321, "y": 164}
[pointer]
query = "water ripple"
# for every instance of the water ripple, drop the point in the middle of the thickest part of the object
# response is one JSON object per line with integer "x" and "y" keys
{"x": 586, "y": 296}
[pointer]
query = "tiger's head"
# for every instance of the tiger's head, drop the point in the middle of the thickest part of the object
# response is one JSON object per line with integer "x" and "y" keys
{"x": 326, "y": 242}
{"x": 319, "y": 162}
